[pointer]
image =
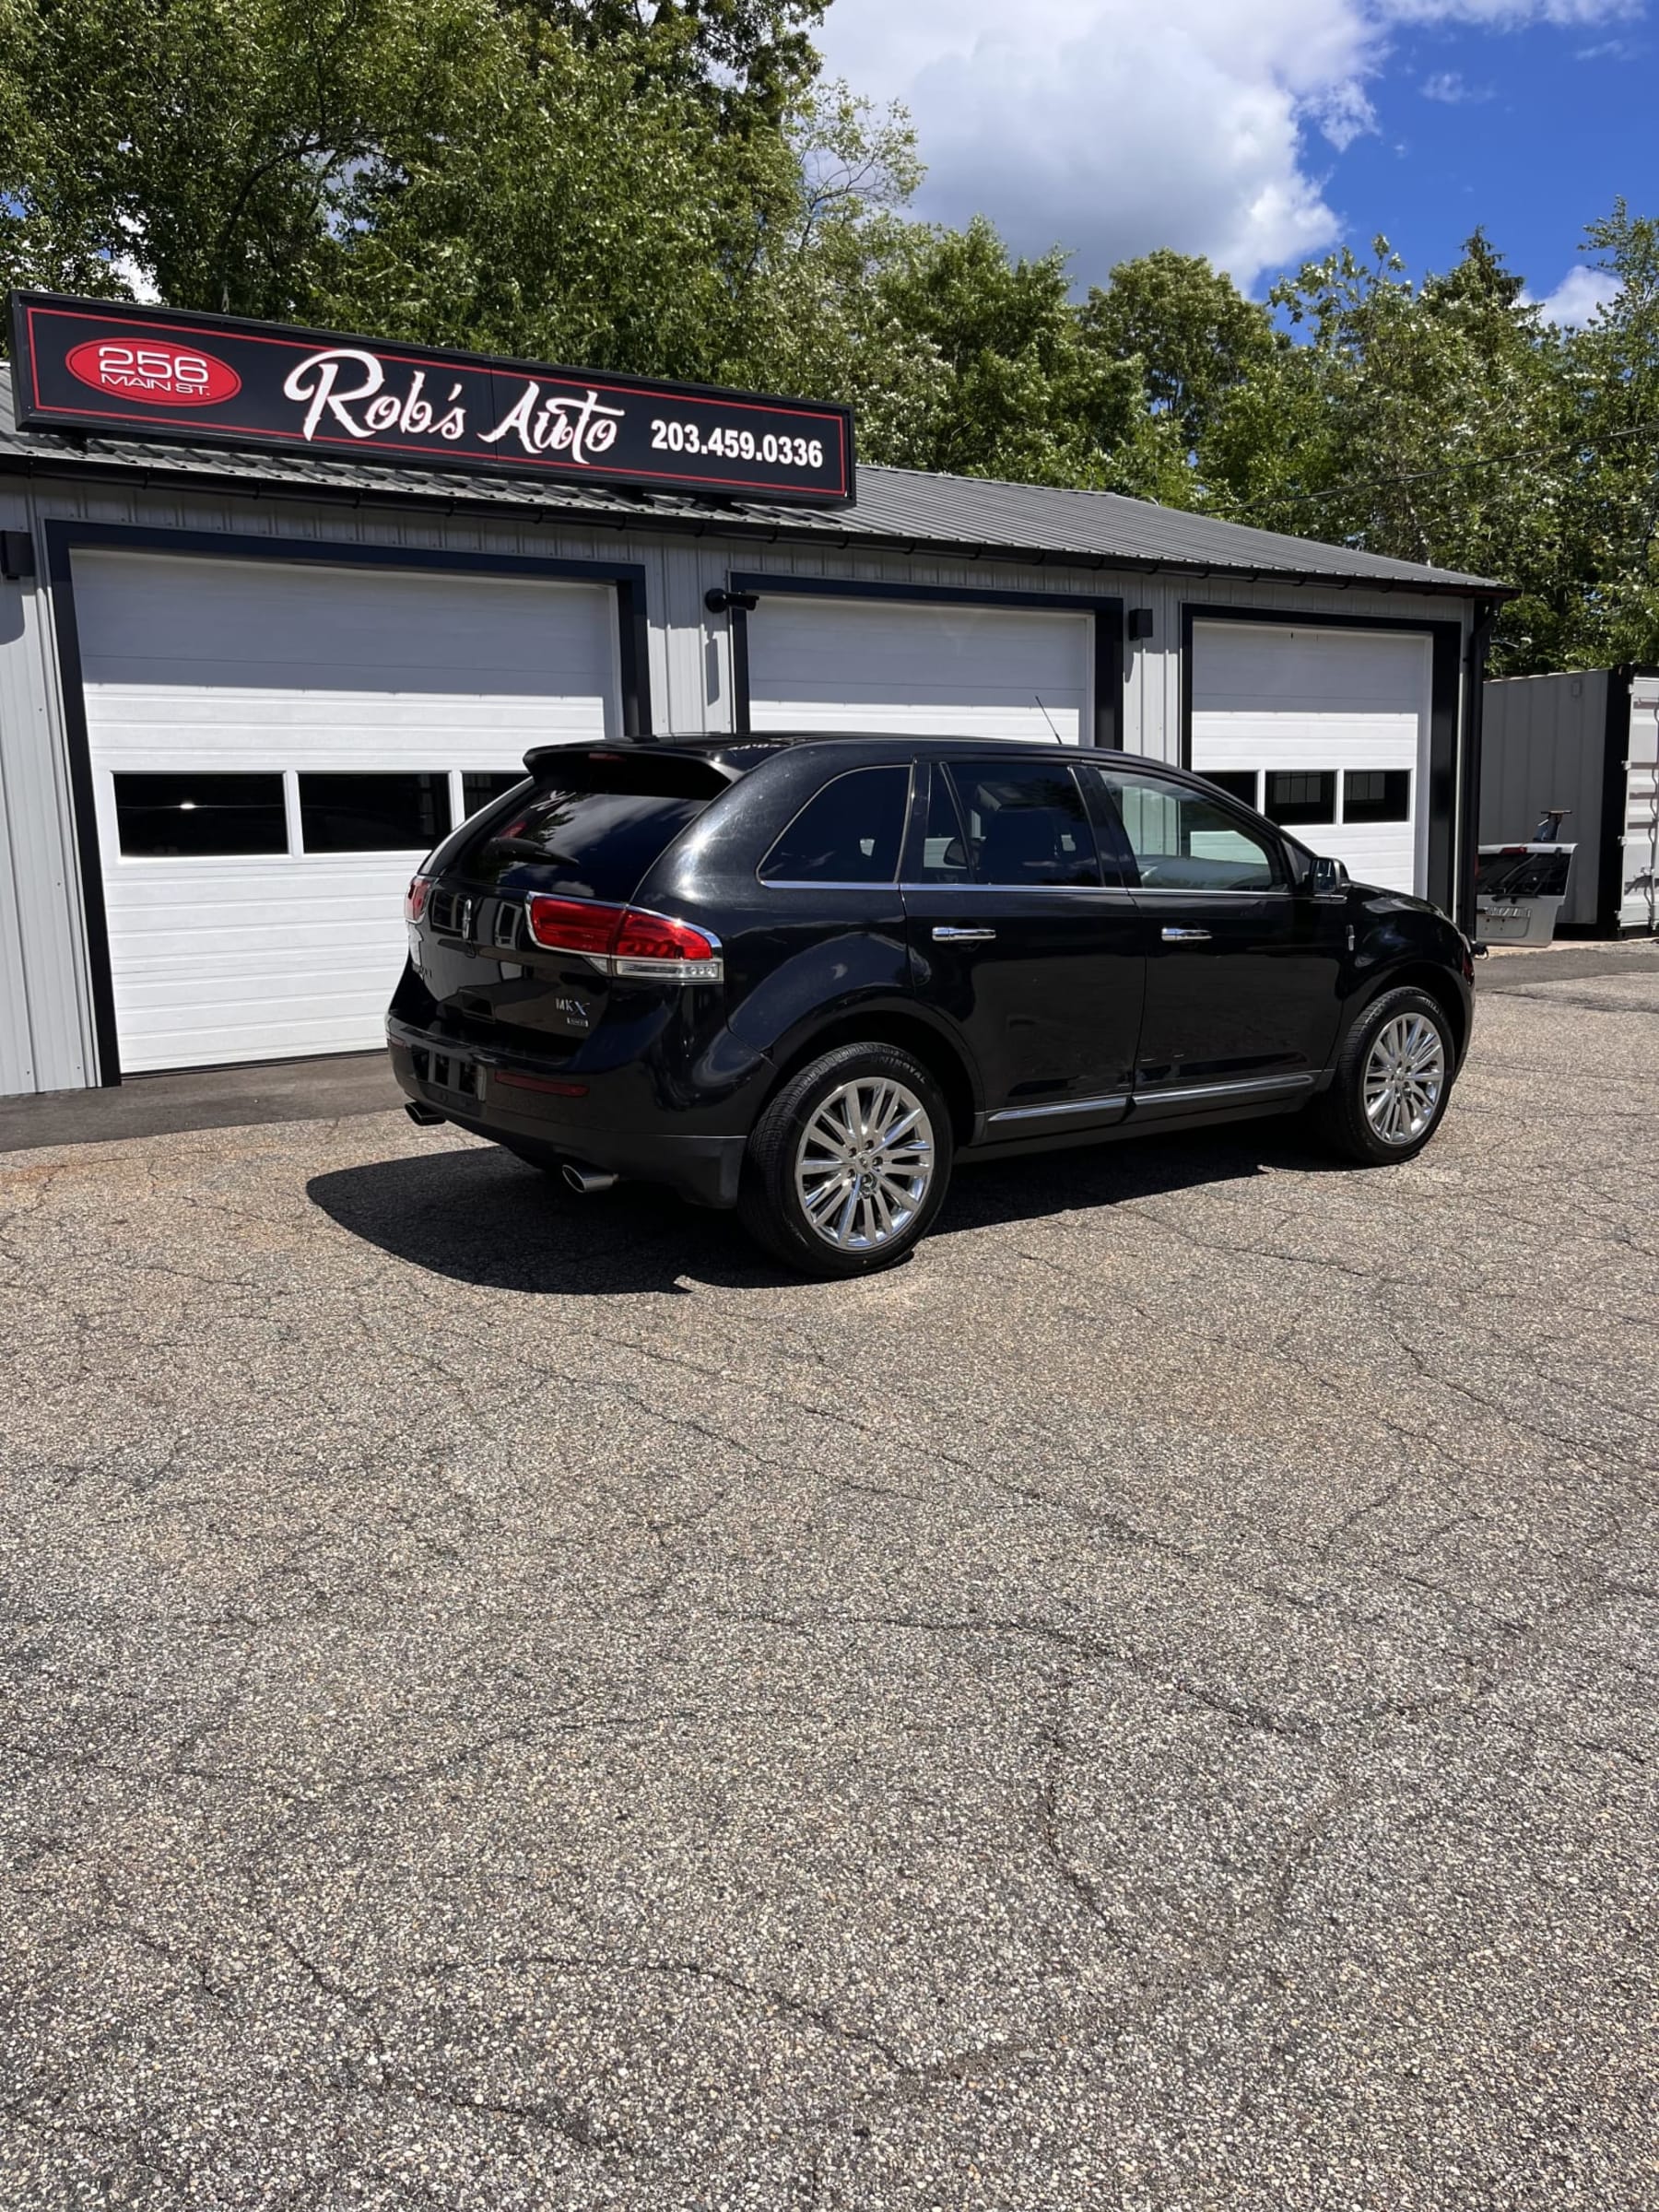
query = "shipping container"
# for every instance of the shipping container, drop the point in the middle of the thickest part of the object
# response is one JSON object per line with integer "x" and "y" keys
{"x": 1583, "y": 747}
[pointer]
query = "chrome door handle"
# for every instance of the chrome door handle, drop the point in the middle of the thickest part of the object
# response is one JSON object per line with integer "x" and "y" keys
{"x": 945, "y": 935}
{"x": 1186, "y": 936}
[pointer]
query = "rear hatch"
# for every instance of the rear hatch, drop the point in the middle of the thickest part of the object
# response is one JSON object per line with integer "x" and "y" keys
{"x": 521, "y": 926}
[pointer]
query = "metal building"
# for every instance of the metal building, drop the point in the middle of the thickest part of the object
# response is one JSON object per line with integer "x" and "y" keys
{"x": 1584, "y": 744}
{"x": 248, "y": 677}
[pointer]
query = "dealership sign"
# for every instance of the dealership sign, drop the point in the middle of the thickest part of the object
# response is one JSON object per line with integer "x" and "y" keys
{"x": 147, "y": 373}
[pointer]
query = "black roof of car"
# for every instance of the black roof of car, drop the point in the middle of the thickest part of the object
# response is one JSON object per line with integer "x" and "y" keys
{"x": 734, "y": 755}
{"x": 737, "y": 754}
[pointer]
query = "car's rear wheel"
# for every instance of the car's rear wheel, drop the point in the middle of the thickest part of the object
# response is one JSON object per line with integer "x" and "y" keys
{"x": 1393, "y": 1080}
{"x": 848, "y": 1166}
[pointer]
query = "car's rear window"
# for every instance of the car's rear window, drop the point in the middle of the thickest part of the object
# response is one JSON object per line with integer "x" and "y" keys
{"x": 593, "y": 825}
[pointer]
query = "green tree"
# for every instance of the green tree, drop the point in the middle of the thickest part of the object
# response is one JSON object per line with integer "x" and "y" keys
{"x": 1199, "y": 339}
{"x": 1605, "y": 606}
{"x": 1422, "y": 420}
{"x": 601, "y": 184}
{"x": 1006, "y": 384}
{"x": 753, "y": 60}
{"x": 599, "y": 220}
{"x": 215, "y": 149}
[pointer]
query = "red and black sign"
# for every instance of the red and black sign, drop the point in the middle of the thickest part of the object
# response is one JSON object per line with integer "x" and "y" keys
{"x": 149, "y": 372}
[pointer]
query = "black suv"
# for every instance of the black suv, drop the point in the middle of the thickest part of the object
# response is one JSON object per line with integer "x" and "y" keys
{"x": 800, "y": 976}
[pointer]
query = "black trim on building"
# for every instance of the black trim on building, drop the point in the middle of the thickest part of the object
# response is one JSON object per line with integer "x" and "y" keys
{"x": 1107, "y": 672}
{"x": 1451, "y": 735}
{"x": 1468, "y": 825}
{"x": 64, "y": 539}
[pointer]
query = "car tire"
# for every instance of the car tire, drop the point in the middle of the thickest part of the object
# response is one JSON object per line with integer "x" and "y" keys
{"x": 830, "y": 1189}
{"x": 1393, "y": 1081}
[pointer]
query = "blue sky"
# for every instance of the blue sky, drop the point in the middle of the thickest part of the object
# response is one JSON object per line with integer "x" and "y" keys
{"x": 1532, "y": 133}
{"x": 1261, "y": 132}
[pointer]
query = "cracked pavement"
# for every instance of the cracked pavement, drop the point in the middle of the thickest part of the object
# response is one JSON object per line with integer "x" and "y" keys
{"x": 1151, "y": 1704}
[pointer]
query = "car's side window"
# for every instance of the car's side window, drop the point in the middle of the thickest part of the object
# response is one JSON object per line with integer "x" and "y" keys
{"x": 848, "y": 832}
{"x": 1026, "y": 824}
{"x": 1183, "y": 841}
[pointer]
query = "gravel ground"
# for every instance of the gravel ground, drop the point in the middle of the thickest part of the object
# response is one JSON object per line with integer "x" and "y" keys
{"x": 511, "y": 1704}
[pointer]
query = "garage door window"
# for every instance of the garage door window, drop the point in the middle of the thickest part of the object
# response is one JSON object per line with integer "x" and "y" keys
{"x": 1238, "y": 783}
{"x": 1376, "y": 795}
{"x": 482, "y": 788}
{"x": 1295, "y": 797}
{"x": 848, "y": 833}
{"x": 199, "y": 817}
{"x": 373, "y": 814}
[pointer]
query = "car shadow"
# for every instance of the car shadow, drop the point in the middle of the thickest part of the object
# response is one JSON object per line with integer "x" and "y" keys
{"x": 483, "y": 1216}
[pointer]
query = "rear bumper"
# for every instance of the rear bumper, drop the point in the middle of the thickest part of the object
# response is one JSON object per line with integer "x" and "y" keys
{"x": 513, "y": 1102}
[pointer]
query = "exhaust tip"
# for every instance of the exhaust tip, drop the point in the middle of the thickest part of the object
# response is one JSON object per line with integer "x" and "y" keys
{"x": 588, "y": 1182}
{"x": 424, "y": 1117}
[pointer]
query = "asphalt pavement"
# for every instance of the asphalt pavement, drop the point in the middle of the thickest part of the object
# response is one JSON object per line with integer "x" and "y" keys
{"x": 511, "y": 1702}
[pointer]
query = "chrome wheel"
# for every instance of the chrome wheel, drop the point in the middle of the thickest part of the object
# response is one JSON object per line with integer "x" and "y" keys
{"x": 1405, "y": 1079}
{"x": 864, "y": 1163}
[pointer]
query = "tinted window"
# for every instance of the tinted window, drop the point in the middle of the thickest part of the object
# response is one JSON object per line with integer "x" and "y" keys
{"x": 1183, "y": 841}
{"x": 1026, "y": 823}
{"x": 1376, "y": 795}
{"x": 1238, "y": 784}
{"x": 848, "y": 833}
{"x": 373, "y": 813}
{"x": 481, "y": 788}
{"x": 596, "y": 844}
{"x": 191, "y": 817}
{"x": 1294, "y": 795}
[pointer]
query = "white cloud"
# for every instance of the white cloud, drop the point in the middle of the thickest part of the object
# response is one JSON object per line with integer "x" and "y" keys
{"x": 1111, "y": 127}
{"x": 1578, "y": 295}
{"x": 1454, "y": 90}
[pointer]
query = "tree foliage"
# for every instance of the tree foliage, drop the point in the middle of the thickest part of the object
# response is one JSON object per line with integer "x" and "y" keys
{"x": 666, "y": 186}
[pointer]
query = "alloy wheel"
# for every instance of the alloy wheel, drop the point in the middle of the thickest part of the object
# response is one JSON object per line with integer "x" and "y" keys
{"x": 1405, "y": 1079}
{"x": 864, "y": 1163}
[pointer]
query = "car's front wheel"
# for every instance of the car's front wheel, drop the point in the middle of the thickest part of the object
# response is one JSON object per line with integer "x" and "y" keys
{"x": 1392, "y": 1080}
{"x": 849, "y": 1164}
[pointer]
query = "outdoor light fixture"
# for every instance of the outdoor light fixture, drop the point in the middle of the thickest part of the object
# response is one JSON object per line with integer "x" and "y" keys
{"x": 1140, "y": 623}
{"x": 721, "y": 603}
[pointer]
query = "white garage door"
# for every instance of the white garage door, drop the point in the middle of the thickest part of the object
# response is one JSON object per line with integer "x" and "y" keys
{"x": 1324, "y": 730}
{"x": 274, "y": 748}
{"x": 919, "y": 670}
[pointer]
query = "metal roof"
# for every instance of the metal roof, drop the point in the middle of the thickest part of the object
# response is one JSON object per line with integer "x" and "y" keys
{"x": 897, "y": 509}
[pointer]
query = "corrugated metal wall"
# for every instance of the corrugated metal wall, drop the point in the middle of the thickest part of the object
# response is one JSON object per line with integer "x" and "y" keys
{"x": 45, "y": 1021}
{"x": 45, "y": 1016}
{"x": 1544, "y": 743}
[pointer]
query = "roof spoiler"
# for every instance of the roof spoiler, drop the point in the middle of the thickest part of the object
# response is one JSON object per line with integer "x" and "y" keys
{"x": 658, "y": 771}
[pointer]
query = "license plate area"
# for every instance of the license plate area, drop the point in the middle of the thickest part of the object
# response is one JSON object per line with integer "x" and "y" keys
{"x": 456, "y": 1073}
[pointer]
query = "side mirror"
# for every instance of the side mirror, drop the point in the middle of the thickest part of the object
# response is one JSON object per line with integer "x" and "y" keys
{"x": 1329, "y": 875}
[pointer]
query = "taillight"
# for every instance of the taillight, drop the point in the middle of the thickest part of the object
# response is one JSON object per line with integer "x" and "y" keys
{"x": 574, "y": 924}
{"x": 415, "y": 897}
{"x": 655, "y": 937}
{"x": 625, "y": 940}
